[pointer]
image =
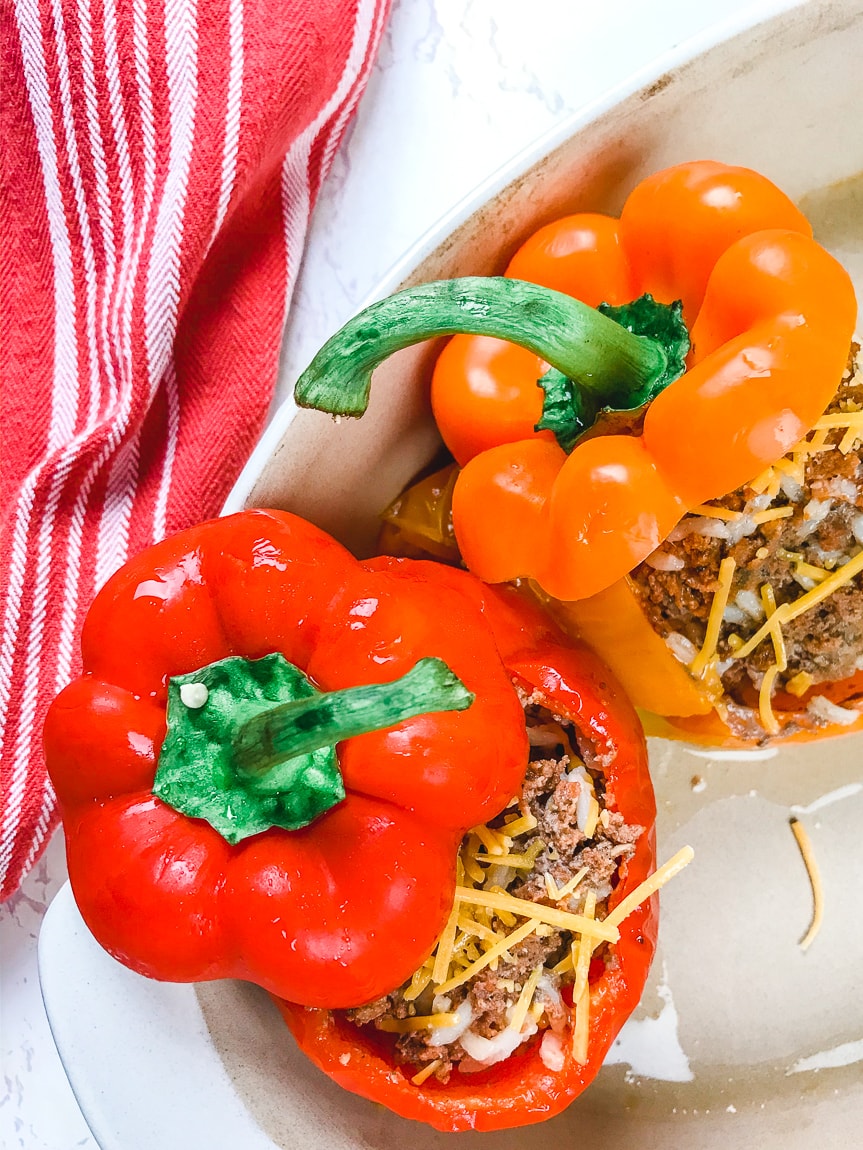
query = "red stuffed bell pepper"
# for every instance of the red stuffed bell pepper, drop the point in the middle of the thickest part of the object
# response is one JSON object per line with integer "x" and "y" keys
{"x": 585, "y": 988}
{"x": 242, "y": 844}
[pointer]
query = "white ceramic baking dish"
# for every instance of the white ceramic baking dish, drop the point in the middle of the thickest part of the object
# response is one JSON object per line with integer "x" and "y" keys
{"x": 742, "y": 1039}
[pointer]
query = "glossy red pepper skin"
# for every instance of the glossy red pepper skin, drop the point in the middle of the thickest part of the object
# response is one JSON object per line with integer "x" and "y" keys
{"x": 522, "y": 1090}
{"x": 331, "y": 915}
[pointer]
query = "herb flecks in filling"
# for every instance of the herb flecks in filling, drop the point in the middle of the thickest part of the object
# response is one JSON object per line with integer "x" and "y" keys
{"x": 559, "y": 844}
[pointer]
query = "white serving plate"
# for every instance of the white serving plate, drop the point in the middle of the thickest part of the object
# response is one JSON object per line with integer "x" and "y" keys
{"x": 741, "y": 1038}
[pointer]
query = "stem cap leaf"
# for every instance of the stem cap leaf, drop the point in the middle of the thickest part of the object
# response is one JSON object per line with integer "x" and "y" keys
{"x": 574, "y": 412}
{"x": 197, "y": 774}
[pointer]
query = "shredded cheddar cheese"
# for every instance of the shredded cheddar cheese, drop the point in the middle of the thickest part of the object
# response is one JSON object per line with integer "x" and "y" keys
{"x": 808, "y": 855}
{"x": 849, "y": 439}
{"x": 471, "y": 926}
{"x": 520, "y": 826}
{"x": 714, "y": 622}
{"x": 794, "y": 468}
{"x": 765, "y": 709}
{"x": 708, "y": 511}
{"x": 445, "y": 947}
{"x": 494, "y": 842}
{"x": 484, "y": 960}
{"x": 771, "y": 513}
{"x": 565, "y": 964}
{"x": 761, "y": 482}
{"x": 426, "y": 1072}
{"x": 585, "y": 950}
{"x": 592, "y": 818}
{"x": 552, "y": 915}
{"x": 418, "y": 1022}
{"x": 817, "y": 443}
{"x": 581, "y": 1030}
{"x": 419, "y": 982}
{"x": 581, "y": 988}
{"x": 525, "y": 999}
{"x": 799, "y": 684}
{"x": 840, "y": 419}
{"x": 651, "y": 884}
{"x": 765, "y": 693}
{"x": 569, "y": 887}
{"x": 768, "y": 599}
{"x": 526, "y": 861}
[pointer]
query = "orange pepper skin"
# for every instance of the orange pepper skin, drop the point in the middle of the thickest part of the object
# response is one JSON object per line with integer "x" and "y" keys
{"x": 613, "y": 624}
{"x": 678, "y": 222}
{"x": 522, "y": 1090}
{"x": 609, "y": 494}
{"x": 488, "y": 375}
{"x": 501, "y": 501}
{"x": 770, "y": 345}
{"x": 772, "y": 315}
{"x": 580, "y": 255}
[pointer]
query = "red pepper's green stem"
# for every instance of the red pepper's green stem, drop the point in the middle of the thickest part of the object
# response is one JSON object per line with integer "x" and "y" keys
{"x": 254, "y": 746}
{"x": 282, "y": 733}
{"x": 597, "y": 353}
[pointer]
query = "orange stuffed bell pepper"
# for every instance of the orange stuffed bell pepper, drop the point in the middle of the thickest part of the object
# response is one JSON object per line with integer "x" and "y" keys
{"x": 550, "y": 490}
{"x": 267, "y": 769}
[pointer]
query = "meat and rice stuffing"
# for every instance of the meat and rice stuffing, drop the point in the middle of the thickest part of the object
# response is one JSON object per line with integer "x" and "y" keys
{"x": 558, "y": 843}
{"x": 763, "y": 547}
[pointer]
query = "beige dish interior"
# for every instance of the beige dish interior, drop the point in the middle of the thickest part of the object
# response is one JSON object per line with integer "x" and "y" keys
{"x": 741, "y": 1039}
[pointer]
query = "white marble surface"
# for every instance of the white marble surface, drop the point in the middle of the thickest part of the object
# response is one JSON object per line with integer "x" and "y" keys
{"x": 459, "y": 88}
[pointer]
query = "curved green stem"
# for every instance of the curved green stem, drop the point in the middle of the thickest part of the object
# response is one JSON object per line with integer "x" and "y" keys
{"x": 251, "y": 743}
{"x": 596, "y": 352}
{"x": 268, "y": 739}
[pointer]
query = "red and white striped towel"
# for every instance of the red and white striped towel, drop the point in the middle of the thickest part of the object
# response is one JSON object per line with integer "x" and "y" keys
{"x": 161, "y": 161}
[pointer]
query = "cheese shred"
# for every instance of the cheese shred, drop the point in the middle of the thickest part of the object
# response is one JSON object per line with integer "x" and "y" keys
{"x": 708, "y": 511}
{"x": 581, "y": 1030}
{"x": 808, "y": 855}
{"x": 519, "y": 1013}
{"x": 585, "y": 950}
{"x": 426, "y": 1072}
{"x": 562, "y": 918}
{"x": 417, "y": 1022}
{"x": 765, "y": 705}
{"x": 643, "y": 892}
{"x": 771, "y": 513}
{"x": 714, "y": 621}
{"x": 445, "y": 947}
{"x": 496, "y": 951}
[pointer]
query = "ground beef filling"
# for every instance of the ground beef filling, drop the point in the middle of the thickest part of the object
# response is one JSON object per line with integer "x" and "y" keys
{"x": 824, "y": 490}
{"x": 560, "y": 777}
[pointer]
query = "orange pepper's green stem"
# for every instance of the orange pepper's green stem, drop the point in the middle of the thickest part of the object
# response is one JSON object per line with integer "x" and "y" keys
{"x": 597, "y": 353}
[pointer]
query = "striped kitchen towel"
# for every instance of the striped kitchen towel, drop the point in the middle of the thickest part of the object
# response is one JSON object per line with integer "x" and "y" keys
{"x": 161, "y": 161}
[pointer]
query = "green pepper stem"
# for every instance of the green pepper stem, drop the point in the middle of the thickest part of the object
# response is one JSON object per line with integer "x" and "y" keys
{"x": 597, "y": 353}
{"x": 275, "y": 736}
